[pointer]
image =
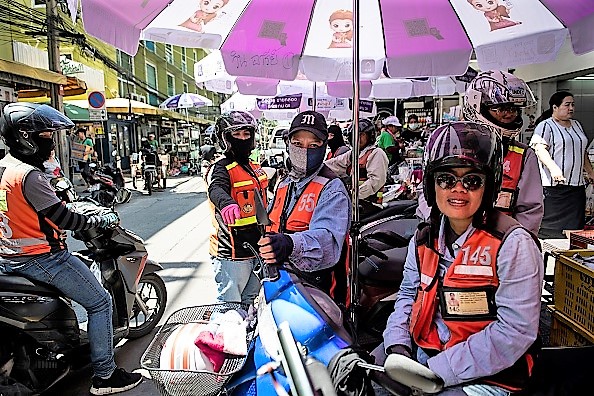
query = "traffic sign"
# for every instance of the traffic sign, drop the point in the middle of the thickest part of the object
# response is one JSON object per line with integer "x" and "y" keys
{"x": 97, "y": 114}
{"x": 97, "y": 100}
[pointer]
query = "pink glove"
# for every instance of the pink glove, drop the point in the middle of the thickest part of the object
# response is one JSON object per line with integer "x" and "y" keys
{"x": 230, "y": 213}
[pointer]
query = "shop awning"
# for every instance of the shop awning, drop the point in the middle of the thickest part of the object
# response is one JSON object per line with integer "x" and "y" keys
{"x": 122, "y": 105}
{"x": 76, "y": 113}
{"x": 74, "y": 86}
{"x": 24, "y": 72}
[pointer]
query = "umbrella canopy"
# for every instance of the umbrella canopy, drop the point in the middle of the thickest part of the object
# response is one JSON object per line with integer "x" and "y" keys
{"x": 184, "y": 101}
{"x": 277, "y": 38}
{"x": 210, "y": 72}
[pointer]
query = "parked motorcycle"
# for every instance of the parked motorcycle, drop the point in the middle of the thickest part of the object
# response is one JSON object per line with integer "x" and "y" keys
{"x": 41, "y": 338}
{"x": 106, "y": 184}
{"x": 383, "y": 245}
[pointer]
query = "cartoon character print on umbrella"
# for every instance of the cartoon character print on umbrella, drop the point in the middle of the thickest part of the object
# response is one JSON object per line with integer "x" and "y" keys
{"x": 497, "y": 14}
{"x": 208, "y": 11}
{"x": 341, "y": 22}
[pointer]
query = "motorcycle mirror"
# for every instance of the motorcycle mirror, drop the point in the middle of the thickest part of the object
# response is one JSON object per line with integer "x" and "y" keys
{"x": 412, "y": 374}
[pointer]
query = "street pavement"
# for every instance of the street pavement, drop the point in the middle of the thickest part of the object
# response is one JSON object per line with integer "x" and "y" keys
{"x": 175, "y": 225}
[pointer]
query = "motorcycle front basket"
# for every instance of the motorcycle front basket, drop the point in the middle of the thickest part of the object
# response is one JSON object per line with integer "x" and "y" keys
{"x": 191, "y": 382}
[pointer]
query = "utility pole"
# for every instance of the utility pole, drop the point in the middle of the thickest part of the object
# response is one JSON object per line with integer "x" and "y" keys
{"x": 53, "y": 53}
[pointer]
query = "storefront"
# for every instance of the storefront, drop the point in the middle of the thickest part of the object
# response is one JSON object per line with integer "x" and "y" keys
{"x": 15, "y": 76}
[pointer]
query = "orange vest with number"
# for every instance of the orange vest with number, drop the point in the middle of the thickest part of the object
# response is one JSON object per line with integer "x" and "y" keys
{"x": 23, "y": 232}
{"x": 473, "y": 274}
{"x": 227, "y": 240}
{"x": 513, "y": 163}
{"x": 334, "y": 279}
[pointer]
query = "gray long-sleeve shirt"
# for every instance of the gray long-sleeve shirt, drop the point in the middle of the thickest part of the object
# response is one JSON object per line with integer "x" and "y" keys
{"x": 377, "y": 169}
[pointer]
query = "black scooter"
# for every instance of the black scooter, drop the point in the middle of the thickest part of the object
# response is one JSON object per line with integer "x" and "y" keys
{"x": 106, "y": 184}
{"x": 41, "y": 337}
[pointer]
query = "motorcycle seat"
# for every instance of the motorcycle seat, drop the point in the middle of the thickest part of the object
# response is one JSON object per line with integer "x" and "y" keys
{"x": 16, "y": 283}
{"x": 392, "y": 208}
{"x": 374, "y": 270}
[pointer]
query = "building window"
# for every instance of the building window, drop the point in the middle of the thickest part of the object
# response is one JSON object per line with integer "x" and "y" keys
{"x": 39, "y": 3}
{"x": 186, "y": 87}
{"x": 149, "y": 45}
{"x": 169, "y": 53}
{"x": 151, "y": 81}
{"x": 125, "y": 61}
{"x": 195, "y": 56}
{"x": 170, "y": 84}
{"x": 184, "y": 64}
{"x": 153, "y": 99}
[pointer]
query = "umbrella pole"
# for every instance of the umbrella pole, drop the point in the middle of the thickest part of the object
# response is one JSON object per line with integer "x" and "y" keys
{"x": 355, "y": 226}
{"x": 315, "y": 96}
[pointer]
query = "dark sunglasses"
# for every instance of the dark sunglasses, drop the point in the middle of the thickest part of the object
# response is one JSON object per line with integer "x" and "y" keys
{"x": 470, "y": 181}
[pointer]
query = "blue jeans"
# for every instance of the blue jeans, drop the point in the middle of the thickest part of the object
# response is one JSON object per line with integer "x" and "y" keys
{"x": 236, "y": 281}
{"x": 70, "y": 275}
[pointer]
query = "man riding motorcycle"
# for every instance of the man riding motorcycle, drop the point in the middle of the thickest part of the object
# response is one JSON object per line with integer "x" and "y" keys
{"x": 32, "y": 218}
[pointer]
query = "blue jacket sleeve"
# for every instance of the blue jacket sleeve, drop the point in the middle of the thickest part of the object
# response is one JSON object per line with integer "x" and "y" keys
{"x": 320, "y": 246}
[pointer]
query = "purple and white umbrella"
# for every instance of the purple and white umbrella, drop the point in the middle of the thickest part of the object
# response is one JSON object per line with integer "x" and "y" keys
{"x": 278, "y": 38}
{"x": 211, "y": 74}
{"x": 185, "y": 101}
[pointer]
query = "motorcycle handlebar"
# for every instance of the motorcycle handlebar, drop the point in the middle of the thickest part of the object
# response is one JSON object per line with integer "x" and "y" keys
{"x": 262, "y": 270}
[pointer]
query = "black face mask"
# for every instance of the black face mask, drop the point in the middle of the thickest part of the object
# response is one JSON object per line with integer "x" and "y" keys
{"x": 45, "y": 147}
{"x": 305, "y": 161}
{"x": 241, "y": 148}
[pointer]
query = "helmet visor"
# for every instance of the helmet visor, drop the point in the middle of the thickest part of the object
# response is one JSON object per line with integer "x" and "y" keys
{"x": 44, "y": 119}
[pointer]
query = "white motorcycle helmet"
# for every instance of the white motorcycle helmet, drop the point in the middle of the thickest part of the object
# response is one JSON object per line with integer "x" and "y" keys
{"x": 492, "y": 88}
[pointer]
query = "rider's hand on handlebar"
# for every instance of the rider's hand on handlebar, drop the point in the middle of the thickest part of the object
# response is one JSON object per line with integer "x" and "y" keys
{"x": 400, "y": 350}
{"x": 275, "y": 248}
{"x": 109, "y": 220}
{"x": 231, "y": 213}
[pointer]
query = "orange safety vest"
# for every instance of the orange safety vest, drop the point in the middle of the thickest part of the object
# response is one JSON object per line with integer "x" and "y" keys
{"x": 513, "y": 163}
{"x": 332, "y": 280}
{"x": 23, "y": 232}
{"x": 378, "y": 197}
{"x": 471, "y": 277}
{"x": 244, "y": 186}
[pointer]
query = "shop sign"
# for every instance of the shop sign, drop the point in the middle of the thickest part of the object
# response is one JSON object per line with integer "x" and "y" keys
{"x": 69, "y": 67}
{"x": 468, "y": 76}
{"x": 366, "y": 106}
{"x": 279, "y": 102}
{"x": 98, "y": 128}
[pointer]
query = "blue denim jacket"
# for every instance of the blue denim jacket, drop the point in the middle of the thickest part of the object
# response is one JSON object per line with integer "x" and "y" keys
{"x": 320, "y": 246}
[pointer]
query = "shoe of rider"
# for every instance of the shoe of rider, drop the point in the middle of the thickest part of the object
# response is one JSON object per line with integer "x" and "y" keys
{"x": 120, "y": 381}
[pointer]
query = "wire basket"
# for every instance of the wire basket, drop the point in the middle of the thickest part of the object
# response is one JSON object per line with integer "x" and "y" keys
{"x": 189, "y": 382}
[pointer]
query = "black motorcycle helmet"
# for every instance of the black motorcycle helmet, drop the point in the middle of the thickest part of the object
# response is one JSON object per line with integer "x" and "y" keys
{"x": 233, "y": 121}
{"x": 21, "y": 121}
{"x": 464, "y": 144}
{"x": 365, "y": 126}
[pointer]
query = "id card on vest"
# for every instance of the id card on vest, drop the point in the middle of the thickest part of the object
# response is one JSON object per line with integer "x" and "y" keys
{"x": 467, "y": 304}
